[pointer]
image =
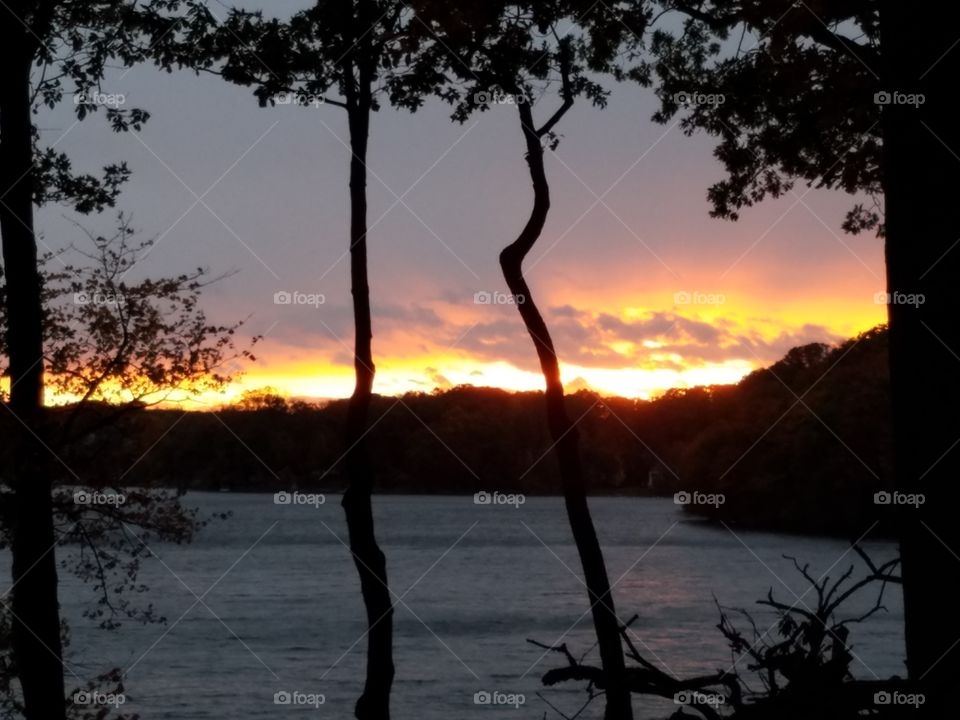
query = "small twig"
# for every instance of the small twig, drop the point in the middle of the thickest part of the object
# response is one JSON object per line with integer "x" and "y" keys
{"x": 558, "y": 649}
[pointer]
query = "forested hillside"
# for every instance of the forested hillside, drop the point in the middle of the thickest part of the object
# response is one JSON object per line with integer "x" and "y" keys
{"x": 803, "y": 444}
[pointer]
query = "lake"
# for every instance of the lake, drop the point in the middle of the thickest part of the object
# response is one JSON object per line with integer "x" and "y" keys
{"x": 280, "y": 608}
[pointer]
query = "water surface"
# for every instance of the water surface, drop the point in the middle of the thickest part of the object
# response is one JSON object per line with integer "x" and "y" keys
{"x": 268, "y": 601}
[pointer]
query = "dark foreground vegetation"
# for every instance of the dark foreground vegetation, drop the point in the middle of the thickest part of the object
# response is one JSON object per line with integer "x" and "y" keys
{"x": 802, "y": 476}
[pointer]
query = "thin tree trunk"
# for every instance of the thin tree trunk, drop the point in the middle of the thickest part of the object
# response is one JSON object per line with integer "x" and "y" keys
{"x": 371, "y": 565}
{"x": 922, "y": 187}
{"x": 565, "y": 436}
{"x": 36, "y": 613}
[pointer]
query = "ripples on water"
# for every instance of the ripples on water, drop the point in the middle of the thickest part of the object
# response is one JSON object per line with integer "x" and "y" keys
{"x": 282, "y": 611}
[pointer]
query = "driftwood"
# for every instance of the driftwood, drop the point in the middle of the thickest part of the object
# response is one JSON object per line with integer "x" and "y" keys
{"x": 804, "y": 670}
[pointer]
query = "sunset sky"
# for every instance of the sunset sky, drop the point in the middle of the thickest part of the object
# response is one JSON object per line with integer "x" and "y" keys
{"x": 642, "y": 290}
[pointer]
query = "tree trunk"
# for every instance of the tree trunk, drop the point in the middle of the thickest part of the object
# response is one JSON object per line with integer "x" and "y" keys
{"x": 371, "y": 564}
{"x": 921, "y": 172}
{"x": 36, "y": 614}
{"x": 565, "y": 436}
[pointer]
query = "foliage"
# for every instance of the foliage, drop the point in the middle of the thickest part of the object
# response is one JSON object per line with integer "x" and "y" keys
{"x": 112, "y": 338}
{"x": 798, "y": 84}
{"x": 513, "y": 52}
{"x": 803, "y": 444}
{"x": 140, "y": 341}
{"x": 131, "y": 342}
{"x": 346, "y": 54}
{"x": 74, "y": 45}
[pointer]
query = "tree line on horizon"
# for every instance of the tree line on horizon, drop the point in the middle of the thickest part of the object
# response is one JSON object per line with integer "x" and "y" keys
{"x": 468, "y": 439}
{"x": 814, "y": 93}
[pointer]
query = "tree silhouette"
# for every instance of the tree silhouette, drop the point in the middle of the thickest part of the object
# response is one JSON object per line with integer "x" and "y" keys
{"x": 112, "y": 346}
{"x": 48, "y": 47}
{"x": 346, "y": 54}
{"x": 506, "y": 52}
{"x": 856, "y": 96}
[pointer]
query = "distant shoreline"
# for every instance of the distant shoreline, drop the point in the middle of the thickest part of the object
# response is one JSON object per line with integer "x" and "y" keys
{"x": 689, "y": 515}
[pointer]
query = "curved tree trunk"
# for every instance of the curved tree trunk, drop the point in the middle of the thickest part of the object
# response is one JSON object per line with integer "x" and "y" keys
{"x": 36, "y": 611}
{"x": 564, "y": 434}
{"x": 921, "y": 186}
{"x": 371, "y": 564}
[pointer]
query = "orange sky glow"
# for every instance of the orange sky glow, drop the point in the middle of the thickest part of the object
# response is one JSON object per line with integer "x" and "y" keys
{"x": 641, "y": 370}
